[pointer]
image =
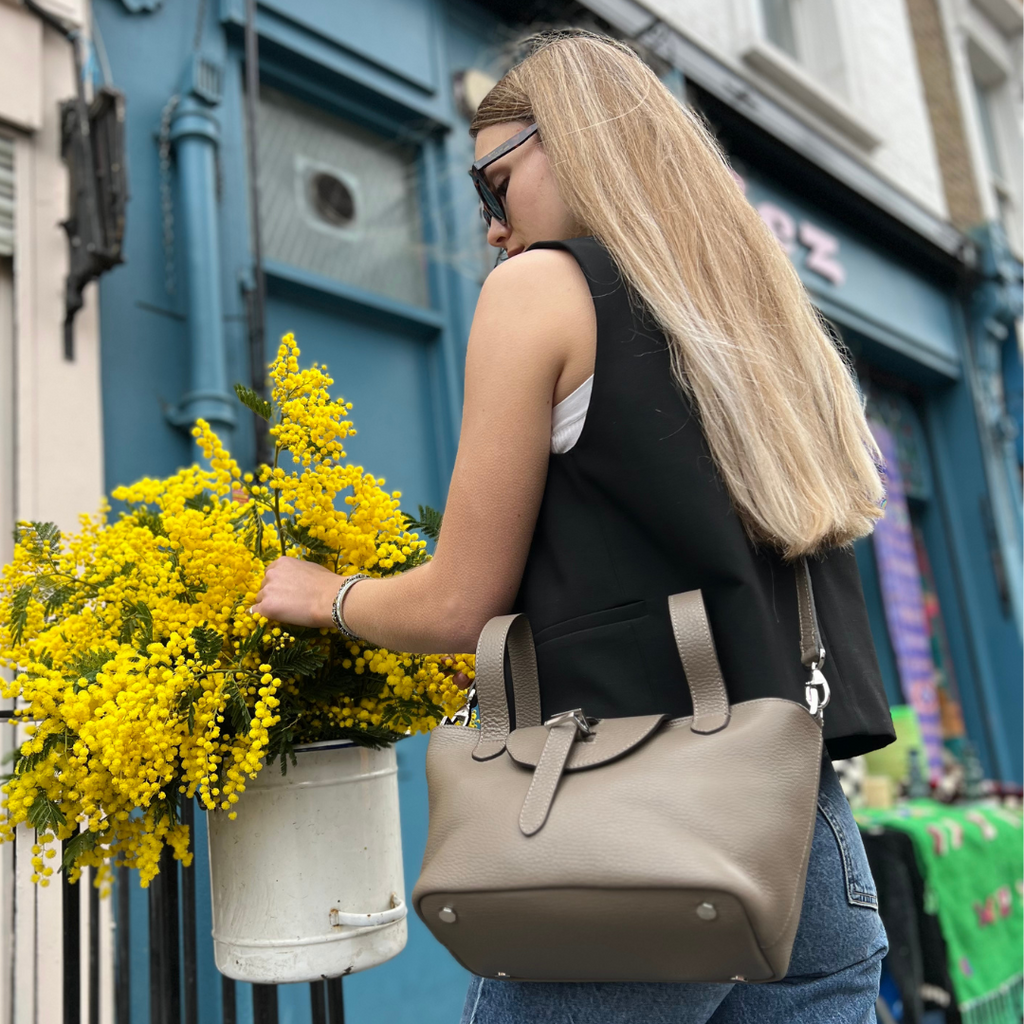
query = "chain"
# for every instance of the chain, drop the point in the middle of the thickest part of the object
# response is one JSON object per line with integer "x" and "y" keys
{"x": 166, "y": 198}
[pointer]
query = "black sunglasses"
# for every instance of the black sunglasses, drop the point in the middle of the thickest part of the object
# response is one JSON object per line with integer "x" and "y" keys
{"x": 491, "y": 206}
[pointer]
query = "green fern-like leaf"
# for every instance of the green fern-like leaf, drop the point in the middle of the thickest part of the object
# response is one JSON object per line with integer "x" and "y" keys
{"x": 237, "y": 709}
{"x": 152, "y": 521}
{"x": 136, "y": 625}
{"x": 302, "y": 536}
{"x": 78, "y": 844}
{"x": 19, "y": 611}
{"x": 252, "y": 401}
{"x": 84, "y": 671}
{"x": 253, "y": 642}
{"x": 54, "y": 593}
{"x": 201, "y": 502}
{"x": 429, "y": 522}
{"x": 166, "y": 808}
{"x": 187, "y": 704}
{"x": 297, "y": 659}
{"x": 44, "y": 815}
{"x": 27, "y": 762}
{"x": 209, "y": 643}
{"x": 41, "y": 539}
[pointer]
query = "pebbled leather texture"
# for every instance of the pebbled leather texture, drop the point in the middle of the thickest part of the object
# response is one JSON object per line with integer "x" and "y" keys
{"x": 610, "y": 739}
{"x": 546, "y": 777}
{"x": 732, "y": 812}
{"x": 598, "y": 875}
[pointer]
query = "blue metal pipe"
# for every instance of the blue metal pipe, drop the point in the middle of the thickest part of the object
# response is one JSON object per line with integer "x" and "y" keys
{"x": 195, "y": 135}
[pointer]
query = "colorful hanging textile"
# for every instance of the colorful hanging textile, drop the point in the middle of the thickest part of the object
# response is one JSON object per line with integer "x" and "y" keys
{"x": 972, "y": 861}
{"x": 899, "y": 576}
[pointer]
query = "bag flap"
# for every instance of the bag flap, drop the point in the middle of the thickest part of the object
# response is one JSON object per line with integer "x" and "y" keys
{"x": 610, "y": 738}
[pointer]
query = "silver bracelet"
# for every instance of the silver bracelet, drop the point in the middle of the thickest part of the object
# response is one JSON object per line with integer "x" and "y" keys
{"x": 339, "y": 601}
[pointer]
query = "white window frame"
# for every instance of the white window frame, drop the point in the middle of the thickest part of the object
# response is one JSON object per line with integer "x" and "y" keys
{"x": 988, "y": 72}
{"x": 772, "y": 63}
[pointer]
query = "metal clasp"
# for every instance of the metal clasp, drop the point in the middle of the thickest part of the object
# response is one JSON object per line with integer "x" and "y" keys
{"x": 817, "y": 701}
{"x": 582, "y": 725}
{"x": 465, "y": 713}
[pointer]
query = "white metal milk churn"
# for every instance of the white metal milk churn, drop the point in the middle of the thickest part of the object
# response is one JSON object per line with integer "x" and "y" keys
{"x": 307, "y": 883}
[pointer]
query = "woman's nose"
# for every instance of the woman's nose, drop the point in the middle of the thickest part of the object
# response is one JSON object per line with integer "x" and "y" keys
{"x": 497, "y": 233}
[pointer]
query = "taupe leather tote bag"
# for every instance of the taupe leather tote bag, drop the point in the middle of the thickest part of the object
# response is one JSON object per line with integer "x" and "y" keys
{"x": 624, "y": 849}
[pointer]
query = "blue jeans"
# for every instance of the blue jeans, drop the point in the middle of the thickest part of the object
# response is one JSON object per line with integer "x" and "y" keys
{"x": 833, "y": 973}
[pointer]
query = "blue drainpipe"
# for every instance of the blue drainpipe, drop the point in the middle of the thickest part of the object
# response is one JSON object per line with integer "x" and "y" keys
{"x": 195, "y": 135}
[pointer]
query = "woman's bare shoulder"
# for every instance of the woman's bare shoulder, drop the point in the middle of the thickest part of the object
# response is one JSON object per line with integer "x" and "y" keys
{"x": 544, "y": 294}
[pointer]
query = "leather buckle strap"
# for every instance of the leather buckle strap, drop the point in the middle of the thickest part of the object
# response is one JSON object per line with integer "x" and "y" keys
{"x": 812, "y": 653}
{"x": 563, "y": 731}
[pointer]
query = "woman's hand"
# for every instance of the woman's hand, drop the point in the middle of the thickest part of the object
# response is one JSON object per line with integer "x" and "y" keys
{"x": 297, "y": 593}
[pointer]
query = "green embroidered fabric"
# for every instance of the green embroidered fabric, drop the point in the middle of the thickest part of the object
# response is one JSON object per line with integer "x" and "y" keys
{"x": 972, "y": 860}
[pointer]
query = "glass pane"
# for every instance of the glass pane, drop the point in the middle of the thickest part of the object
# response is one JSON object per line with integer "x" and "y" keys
{"x": 338, "y": 200}
{"x": 897, "y": 413}
{"x": 984, "y": 103}
{"x": 778, "y": 23}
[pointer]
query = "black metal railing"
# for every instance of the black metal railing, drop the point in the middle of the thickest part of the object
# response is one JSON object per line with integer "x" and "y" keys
{"x": 173, "y": 956}
{"x": 173, "y": 952}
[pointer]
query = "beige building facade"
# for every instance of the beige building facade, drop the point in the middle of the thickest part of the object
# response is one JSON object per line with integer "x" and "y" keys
{"x": 51, "y": 453}
{"x": 847, "y": 70}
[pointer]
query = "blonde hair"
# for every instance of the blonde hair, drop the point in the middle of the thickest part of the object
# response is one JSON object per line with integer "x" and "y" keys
{"x": 777, "y": 401}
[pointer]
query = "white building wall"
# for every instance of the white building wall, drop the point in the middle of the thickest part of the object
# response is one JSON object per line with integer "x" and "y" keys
{"x": 881, "y": 120}
{"x": 51, "y": 465}
{"x": 58, "y": 468}
{"x": 985, "y": 47}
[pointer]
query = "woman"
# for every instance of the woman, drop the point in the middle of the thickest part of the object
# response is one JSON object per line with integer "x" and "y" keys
{"x": 651, "y": 406}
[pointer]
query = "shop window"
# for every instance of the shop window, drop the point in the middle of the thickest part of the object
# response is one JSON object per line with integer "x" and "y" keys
{"x": 339, "y": 201}
{"x": 896, "y": 412}
{"x": 899, "y": 585}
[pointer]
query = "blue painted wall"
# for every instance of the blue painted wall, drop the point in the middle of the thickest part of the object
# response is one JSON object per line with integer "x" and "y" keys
{"x": 388, "y": 67}
{"x": 400, "y": 366}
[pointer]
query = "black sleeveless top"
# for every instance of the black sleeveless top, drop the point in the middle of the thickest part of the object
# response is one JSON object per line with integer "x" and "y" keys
{"x": 636, "y": 511}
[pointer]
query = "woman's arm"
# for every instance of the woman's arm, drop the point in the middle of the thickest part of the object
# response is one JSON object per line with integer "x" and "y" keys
{"x": 534, "y": 317}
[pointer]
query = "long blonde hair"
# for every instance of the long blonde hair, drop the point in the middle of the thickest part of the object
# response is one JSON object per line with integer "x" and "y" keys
{"x": 777, "y": 401}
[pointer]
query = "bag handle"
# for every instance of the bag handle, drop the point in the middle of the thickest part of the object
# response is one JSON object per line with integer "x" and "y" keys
{"x": 694, "y": 642}
{"x": 513, "y": 632}
{"x": 696, "y": 648}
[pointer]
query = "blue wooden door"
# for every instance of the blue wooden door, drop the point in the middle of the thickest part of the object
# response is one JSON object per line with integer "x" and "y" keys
{"x": 345, "y": 225}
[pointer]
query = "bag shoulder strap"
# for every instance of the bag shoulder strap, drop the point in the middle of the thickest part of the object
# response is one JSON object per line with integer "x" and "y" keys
{"x": 812, "y": 654}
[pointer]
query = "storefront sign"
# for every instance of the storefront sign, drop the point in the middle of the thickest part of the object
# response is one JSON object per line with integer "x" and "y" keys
{"x": 822, "y": 248}
{"x": 900, "y": 578}
{"x": 855, "y": 282}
